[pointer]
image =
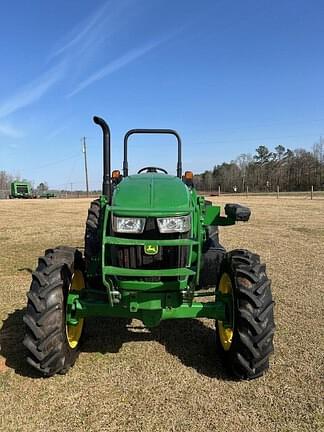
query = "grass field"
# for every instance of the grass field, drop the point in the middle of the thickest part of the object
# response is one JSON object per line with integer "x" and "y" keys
{"x": 170, "y": 378}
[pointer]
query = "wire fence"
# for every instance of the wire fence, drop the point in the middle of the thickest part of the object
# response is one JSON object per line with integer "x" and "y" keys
{"x": 311, "y": 194}
{"x": 5, "y": 194}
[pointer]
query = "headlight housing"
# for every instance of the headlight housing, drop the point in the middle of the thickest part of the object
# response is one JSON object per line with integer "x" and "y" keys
{"x": 128, "y": 225}
{"x": 177, "y": 224}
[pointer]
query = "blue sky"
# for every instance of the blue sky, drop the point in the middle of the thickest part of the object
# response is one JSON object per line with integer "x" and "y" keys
{"x": 228, "y": 75}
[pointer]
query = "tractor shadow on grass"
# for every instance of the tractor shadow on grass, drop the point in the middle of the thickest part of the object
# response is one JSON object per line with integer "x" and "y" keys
{"x": 12, "y": 349}
{"x": 192, "y": 342}
{"x": 26, "y": 269}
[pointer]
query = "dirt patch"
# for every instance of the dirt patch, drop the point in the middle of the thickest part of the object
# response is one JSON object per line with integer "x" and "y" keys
{"x": 310, "y": 231}
{"x": 3, "y": 367}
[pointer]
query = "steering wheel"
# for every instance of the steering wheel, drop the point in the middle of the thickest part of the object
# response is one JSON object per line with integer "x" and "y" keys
{"x": 151, "y": 169}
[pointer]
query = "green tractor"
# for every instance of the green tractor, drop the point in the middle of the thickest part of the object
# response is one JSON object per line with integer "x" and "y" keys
{"x": 152, "y": 253}
{"x": 20, "y": 189}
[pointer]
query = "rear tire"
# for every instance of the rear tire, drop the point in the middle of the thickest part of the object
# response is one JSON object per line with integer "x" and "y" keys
{"x": 247, "y": 352}
{"x": 212, "y": 260}
{"x": 92, "y": 235}
{"x": 46, "y": 334}
{"x": 213, "y": 255}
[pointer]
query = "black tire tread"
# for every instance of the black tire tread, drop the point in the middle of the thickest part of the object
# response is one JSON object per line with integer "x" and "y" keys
{"x": 254, "y": 326}
{"x": 212, "y": 260}
{"x": 92, "y": 238}
{"x": 45, "y": 339}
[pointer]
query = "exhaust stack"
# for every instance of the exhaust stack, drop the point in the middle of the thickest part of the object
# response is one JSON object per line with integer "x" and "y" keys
{"x": 106, "y": 181}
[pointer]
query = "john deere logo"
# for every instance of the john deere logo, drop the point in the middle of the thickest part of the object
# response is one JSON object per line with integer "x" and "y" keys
{"x": 151, "y": 249}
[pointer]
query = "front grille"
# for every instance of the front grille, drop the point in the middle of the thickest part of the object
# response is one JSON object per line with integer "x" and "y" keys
{"x": 134, "y": 257}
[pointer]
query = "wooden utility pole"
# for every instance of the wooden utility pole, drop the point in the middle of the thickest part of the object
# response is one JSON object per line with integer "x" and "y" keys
{"x": 321, "y": 159}
{"x": 84, "y": 151}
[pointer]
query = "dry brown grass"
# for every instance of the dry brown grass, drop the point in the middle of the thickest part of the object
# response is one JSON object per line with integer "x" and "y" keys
{"x": 169, "y": 379}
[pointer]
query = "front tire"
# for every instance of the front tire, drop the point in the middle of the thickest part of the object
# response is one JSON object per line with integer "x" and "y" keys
{"x": 53, "y": 346}
{"x": 246, "y": 344}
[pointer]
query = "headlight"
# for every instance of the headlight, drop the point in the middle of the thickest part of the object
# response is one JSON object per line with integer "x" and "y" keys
{"x": 128, "y": 225}
{"x": 178, "y": 224}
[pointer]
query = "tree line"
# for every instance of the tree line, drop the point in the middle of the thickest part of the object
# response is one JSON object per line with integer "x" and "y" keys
{"x": 5, "y": 180}
{"x": 291, "y": 170}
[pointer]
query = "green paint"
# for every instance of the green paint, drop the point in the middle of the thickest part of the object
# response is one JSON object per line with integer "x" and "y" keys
{"x": 145, "y": 193}
{"x": 142, "y": 242}
{"x": 149, "y": 309}
{"x": 151, "y": 293}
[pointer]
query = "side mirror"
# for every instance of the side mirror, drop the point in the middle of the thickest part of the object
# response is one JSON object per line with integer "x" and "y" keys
{"x": 187, "y": 178}
{"x": 116, "y": 177}
{"x": 237, "y": 212}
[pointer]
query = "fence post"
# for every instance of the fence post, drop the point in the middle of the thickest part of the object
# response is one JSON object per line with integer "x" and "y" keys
{"x": 312, "y": 191}
{"x": 219, "y": 190}
{"x": 278, "y": 191}
{"x": 247, "y": 190}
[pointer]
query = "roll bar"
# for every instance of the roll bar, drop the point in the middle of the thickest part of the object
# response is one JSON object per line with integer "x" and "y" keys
{"x": 152, "y": 131}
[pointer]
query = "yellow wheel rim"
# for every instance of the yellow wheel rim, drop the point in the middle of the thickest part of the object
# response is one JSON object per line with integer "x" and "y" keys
{"x": 73, "y": 333}
{"x": 225, "y": 334}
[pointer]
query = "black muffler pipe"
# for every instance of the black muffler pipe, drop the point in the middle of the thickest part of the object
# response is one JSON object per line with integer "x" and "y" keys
{"x": 106, "y": 183}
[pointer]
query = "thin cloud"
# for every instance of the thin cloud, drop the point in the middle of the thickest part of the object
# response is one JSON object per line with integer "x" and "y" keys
{"x": 58, "y": 131}
{"x": 10, "y": 131}
{"x": 32, "y": 91}
{"x": 117, "y": 64}
{"x": 82, "y": 35}
{"x": 89, "y": 34}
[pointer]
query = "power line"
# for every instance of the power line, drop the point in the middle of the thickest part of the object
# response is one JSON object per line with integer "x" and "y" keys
{"x": 56, "y": 162}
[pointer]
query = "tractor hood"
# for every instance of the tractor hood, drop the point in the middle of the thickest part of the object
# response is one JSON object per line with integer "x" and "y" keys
{"x": 151, "y": 194}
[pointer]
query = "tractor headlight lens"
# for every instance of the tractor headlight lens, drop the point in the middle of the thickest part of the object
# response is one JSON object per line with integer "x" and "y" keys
{"x": 178, "y": 224}
{"x": 128, "y": 225}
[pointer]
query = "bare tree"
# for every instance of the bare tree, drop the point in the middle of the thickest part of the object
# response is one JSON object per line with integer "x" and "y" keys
{"x": 292, "y": 170}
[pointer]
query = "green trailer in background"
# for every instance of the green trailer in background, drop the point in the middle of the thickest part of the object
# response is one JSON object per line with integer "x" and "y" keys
{"x": 47, "y": 195}
{"x": 20, "y": 189}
